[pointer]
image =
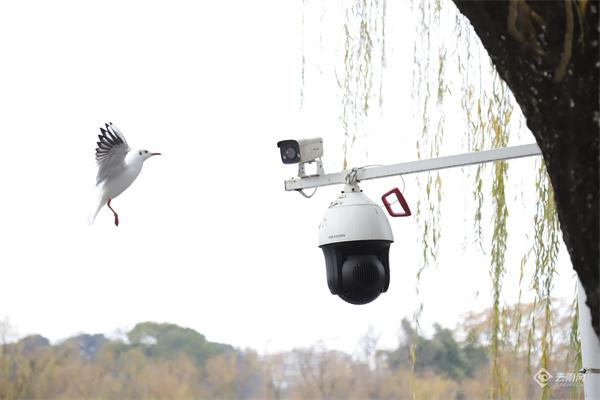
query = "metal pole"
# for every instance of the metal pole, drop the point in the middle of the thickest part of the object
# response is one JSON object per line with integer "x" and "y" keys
{"x": 412, "y": 167}
{"x": 590, "y": 348}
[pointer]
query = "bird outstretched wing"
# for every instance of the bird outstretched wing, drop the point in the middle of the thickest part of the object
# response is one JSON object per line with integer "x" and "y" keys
{"x": 110, "y": 153}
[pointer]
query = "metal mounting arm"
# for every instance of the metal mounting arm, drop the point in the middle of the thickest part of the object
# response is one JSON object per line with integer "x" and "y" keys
{"x": 412, "y": 167}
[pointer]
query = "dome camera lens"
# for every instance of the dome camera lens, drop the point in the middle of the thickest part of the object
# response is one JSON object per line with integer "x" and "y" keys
{"x": 365, "y": 273}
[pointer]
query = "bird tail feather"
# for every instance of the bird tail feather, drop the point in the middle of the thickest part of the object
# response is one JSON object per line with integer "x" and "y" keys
{"x": 100, "y": 202}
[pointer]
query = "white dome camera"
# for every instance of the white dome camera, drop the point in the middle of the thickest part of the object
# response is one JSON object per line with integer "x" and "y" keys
{"x": 355, "y": 236}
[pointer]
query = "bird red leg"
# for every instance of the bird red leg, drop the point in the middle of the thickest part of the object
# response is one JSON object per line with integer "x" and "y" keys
{"x": 114, "y": 212}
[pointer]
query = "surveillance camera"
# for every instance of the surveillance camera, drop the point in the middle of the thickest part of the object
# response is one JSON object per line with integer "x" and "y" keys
{"x": 300, "y": 151}
{"x": 355, "y": 236}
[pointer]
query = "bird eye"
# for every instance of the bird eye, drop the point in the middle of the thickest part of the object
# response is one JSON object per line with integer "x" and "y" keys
{"x": 145, "y": 151}
{"x": 140, "y": 153}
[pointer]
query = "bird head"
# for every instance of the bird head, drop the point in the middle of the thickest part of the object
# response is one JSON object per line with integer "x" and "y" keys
{"x": 145, "y": 154}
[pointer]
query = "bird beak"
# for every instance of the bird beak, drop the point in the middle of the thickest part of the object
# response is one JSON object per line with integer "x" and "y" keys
{"x": 155, "y": 154}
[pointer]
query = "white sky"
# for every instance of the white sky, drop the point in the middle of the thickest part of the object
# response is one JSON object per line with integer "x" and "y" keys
{"x": 208, "y": 237}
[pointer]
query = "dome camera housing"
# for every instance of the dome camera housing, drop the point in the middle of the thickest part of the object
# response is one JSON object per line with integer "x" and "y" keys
{"x": 355, "y": 236}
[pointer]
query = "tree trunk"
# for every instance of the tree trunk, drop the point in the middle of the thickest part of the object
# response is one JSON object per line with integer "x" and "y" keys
{"x": 548, "y": 54}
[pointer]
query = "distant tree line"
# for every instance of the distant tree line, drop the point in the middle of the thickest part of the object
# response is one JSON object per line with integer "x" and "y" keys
{"x": 168, "y": 361}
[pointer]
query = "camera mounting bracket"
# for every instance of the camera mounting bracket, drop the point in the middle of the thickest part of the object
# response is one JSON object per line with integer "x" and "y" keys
{"x": 302, "y": 168}
{"x": 350, "y": 177}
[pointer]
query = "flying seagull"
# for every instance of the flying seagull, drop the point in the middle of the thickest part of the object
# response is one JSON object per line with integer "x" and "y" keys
{"x": 118, "y": 166}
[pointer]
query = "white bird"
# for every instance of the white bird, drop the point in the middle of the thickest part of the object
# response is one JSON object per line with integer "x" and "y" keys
{"x": 118, "y": 166}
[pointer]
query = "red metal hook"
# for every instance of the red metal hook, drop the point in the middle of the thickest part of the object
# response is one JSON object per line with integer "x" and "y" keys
{"x": 401, "y": 200}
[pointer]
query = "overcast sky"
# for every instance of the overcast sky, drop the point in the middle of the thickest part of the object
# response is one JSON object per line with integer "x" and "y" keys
{"x": 208, "y": 237}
